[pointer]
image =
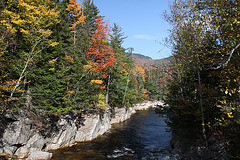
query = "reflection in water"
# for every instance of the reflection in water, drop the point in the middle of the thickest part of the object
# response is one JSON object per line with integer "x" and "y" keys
{"x": 140, "y": 136}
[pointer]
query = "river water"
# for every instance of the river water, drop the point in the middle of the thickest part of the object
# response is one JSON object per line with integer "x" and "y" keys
{"x": 144, "y": 135}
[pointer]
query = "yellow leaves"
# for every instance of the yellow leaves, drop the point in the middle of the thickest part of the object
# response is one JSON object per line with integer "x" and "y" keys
{"x": 25, "y": 5}
{"x": 31, "y": 18}
{"x": 101, "y": 101}
{"x": 208, "y": 124}
{"x": 97, "y": 81}
{"x": 6, "y": 22}
{"x": 87, "y": 66}
{"x": 230, "y": 115}
{"x": 124, "y": 64}
{"x": 53, "y": 61}
{"x": 53, "y": 44}
{"x": 3, "y": 76}
{"x": 140, "y": 69}
{"x": 104, "y": 41}
{"x": 19, "y": 21}
{"x": 81, "y": 20}
{"x": 44, "y": 32}
{"x": 68, "y": 92}
{"x": 52, "y": 69}
{"x": 124, "y": 71}
{"x": 9, "y": 86}
{"x": 29, "y": 15}
{"x": 231, "y": 91}
{"x": 24, "y": 31}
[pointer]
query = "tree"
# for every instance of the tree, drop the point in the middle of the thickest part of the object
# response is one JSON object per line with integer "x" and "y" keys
{"x": 101, "y": 54}
{"x": 122, "y": 72}
{"x": 50, "y": 78}
{"x": 189, "y": 37}
{"x": 81, "y": 71}
{"x": 225, "y": 62}
{"x": 29, "y": 21}
{"x": 91, "y": 12}
{"x": 205, "y": 41}
{"x": 76, "y": 17}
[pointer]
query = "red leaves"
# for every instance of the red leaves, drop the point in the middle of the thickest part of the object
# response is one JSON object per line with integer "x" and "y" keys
{"x": 101, "y": 53}
{"x": 103, "y": 87}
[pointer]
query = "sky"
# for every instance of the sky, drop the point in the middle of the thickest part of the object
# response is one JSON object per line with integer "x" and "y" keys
{"x": 141, "y": 21}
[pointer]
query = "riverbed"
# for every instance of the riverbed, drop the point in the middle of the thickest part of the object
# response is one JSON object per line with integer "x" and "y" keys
{"x": 144, "y": 135}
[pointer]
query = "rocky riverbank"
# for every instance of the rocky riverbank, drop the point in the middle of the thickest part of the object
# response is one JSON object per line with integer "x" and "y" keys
{"x": 21, "y": 135}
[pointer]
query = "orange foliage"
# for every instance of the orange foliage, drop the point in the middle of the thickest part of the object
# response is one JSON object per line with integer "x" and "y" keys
{"x": 96, "y": 81}
{"x": 101, "y": 53}
{"x": 139, "y": 70}
{"x": 75, "y": 10}
{"x": 69, "y": 59}
{"x": 76, "y": 15}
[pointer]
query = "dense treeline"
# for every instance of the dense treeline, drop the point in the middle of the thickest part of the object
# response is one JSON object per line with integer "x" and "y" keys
{"x": 205, "y": 37}
{"x": 59, "y": 56}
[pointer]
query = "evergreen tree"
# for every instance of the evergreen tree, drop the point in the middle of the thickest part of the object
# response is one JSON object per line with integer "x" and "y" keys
{"x": 84, "y": 95}
{"x": 51, "y": 77}
{"x": 122, "y": 72}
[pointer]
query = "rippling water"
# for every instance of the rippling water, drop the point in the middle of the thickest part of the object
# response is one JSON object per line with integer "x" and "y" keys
{"x": 144, "y": 134}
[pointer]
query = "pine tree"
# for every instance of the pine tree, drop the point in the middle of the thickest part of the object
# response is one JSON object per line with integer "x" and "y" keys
{"x": 122, "y": 72}
{"x": 50, "y": 79}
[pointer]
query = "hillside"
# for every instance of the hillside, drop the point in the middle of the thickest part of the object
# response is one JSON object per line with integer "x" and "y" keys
{"x": 145, "y": 60}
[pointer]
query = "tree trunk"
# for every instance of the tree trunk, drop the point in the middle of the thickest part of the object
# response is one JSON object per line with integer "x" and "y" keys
{"x": 31, "y": 56}
{"x": 107, "y": 94}
{"x": 201, "y": 104}
{"x": 125, "y": 92}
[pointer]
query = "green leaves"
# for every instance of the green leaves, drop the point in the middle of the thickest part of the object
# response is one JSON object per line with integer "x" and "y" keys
{"x": 44, "y": 65}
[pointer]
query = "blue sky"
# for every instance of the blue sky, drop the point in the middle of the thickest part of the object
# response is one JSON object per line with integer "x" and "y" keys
{"x": 142, "y": 22}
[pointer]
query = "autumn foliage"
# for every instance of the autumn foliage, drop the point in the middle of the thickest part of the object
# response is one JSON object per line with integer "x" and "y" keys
{"x": 101, "y": 54}
{"x": 76, "y": 16}
{"x": 59, "y": 56}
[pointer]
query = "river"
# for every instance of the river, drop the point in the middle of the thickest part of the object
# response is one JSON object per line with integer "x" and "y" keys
{"x": 144, "y": 135}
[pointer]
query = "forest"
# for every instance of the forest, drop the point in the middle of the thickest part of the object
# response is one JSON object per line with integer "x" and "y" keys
{"x": 205, "y": 70}
{"x": 60, "y": 56}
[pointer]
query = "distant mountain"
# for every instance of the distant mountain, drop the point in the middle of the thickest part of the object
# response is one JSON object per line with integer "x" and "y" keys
{"x": 145, "y": 60}
{"x": 140, "y": 56}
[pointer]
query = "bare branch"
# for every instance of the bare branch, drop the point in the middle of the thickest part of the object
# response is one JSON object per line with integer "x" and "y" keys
{"x": 228, "y": 60}
{"x": 26, "y": 65}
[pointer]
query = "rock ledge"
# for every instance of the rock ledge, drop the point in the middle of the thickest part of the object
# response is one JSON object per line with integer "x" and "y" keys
{"x": 21, "y": 136}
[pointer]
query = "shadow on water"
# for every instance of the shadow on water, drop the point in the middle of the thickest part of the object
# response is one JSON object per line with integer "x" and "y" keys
{"x": 141, "y": 136}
